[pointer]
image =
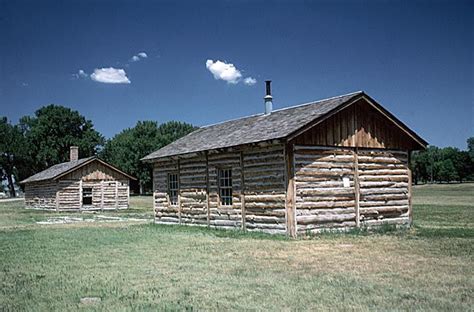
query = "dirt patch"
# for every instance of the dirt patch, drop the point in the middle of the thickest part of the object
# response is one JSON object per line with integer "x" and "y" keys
{"x": 97, "y": 218}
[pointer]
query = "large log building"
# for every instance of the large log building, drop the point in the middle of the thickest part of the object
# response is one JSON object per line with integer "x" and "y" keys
{"x": 79, "y": 184}
{"x": 337, "y": 163}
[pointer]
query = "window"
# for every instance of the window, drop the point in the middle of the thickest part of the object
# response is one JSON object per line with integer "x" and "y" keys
{"x": 87, "y": 196}
{"x": 225, "y": 186}
{"x": 173, "y": 188}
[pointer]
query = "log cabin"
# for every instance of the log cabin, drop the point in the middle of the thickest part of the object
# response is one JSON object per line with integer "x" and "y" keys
{"x": 337, "y": 163}
{"x": 79, "y": 184}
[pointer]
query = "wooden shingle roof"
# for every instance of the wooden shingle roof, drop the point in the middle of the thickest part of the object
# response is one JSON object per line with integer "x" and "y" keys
{"x": 56, "y": 171}
{"x": 258, "y": 128}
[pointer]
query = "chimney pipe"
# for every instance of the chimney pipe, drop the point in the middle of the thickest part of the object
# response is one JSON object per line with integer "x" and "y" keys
{"x": 268, "y": 98}
{"x": 73, "y": 153}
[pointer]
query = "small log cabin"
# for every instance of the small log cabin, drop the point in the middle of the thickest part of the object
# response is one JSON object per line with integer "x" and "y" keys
{"x": 337, "y": 163}
{"x": 79, "y": 184}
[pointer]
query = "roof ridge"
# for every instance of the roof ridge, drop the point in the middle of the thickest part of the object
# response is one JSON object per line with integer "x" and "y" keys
{"x": 315, "y": 102}
{"x": 281, "y": 109}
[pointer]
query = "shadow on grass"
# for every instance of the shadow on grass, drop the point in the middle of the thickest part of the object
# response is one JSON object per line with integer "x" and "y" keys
{"x": 221, "y": 233}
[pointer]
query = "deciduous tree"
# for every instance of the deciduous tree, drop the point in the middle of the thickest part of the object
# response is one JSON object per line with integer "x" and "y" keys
{"x": 127, "y": 148}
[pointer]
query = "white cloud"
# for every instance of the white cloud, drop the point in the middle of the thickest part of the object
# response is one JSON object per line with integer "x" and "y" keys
{"x": 110, "y": 75}
{"x": 139, "y": 56}
{"x": 224, "y": 71}
{"x": 250, "y": 81}
{"x": 80, "y": 74}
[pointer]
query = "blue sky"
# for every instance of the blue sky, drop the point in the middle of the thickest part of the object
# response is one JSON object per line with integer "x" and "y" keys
{"x": 415, "y": 58}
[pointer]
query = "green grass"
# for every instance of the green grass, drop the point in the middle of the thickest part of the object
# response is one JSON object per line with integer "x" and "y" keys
{"x": 149, "y": 267}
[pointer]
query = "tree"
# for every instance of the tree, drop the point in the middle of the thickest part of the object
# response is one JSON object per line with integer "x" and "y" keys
{"x": 446, "y": 170}
{"x": 470, "y": 147}
{"x": 12, "y": 152}
{"x": 51, "y": 132}
{"x": 127, "y": 148}
{"x": 464, "y": 166}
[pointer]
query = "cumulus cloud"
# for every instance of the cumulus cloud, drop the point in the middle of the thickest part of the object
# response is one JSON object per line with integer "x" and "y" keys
{"x": 250, "y": 81}
{"x": 139, "y": 56}
{"x": 110, "y": 75}
{"x": 224, "y": 71}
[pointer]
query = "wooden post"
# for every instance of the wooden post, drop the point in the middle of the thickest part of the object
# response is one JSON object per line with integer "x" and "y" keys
{"x": 116, "y": 194}
{"x": 179, "y": 193}
{"x": 128, "y": 194}
{"x": 80, "y": 194}
{"x": 207, "y": 191}
{"x": 242, "y": 189}
{"x": 57, "y": 196}
{"x": 290, "y": 192}
{"x": 410, "y": 207}
{"x": 356, "y": 187}
{"x": 101, "y": 195}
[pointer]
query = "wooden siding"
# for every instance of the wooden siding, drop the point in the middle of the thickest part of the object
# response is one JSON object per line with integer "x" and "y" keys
{"x": 69, "y": 195}
{"x": 164, "y": 211}
{"x": 359, "y": 125}
{"x": 384, "y": 187}
{"x": 376, "y": 193}
{"x": 93, "y": 172}
{"x": 265, "y": 189}
{"x": 219, "y": 215}
{"x": 192, "y": 191}
{"x": 106, "y": 195}
{"x": 258, "y": 190}
{"x": 322, "y": 199}
{"x": 41, "y": 195}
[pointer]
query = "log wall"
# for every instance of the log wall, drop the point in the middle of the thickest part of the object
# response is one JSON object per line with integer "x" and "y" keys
{"x": 384, "y": 187}
{"x": 376, "y": 189}
{"x": 41, "y": 195}
{"x": 106, "y": 195}
{"x": 258, "y": 190}
{"x": 322, "y": 199}
{"x": 69, "y": 195}
{"x": 65, "y": 195}
{"x": 224, "y": 216}
{"x": 164, "y": 212}
{"x": 265, "y": 189}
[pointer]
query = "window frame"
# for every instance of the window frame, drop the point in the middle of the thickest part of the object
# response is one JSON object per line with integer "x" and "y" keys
{"x": 87, "y": 195}
{"x": 171, "y": 189}
{"x": 227, "y": 199}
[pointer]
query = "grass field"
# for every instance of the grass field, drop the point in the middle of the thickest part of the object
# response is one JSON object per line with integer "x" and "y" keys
{"x": 142, "y": 266}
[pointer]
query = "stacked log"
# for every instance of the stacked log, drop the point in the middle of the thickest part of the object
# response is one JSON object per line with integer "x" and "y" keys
{"x": 221, "y": 216}
{"x": 265, "y": 189}
{"x": 384, "y": 181}
{"x": 192, "y": 182}
{"x": 323, "y": 200}
{"x": 164, "y": 211}
{"x": 69, "y": 194}
{"x": 41, "y": 195}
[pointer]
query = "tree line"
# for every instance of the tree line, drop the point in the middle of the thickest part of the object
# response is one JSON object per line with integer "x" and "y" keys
{"x": 449, "y": 164}
{"x": 37, "y": 142}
